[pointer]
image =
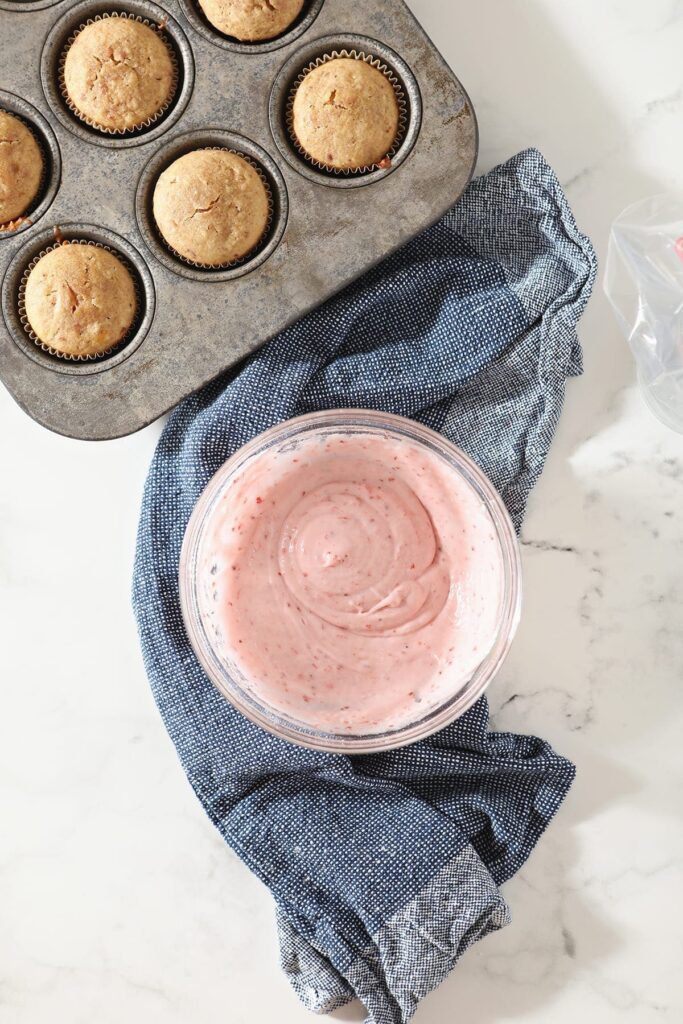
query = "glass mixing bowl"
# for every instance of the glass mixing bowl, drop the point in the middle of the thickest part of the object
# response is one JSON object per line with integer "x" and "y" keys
{"x": 217, "y": 659}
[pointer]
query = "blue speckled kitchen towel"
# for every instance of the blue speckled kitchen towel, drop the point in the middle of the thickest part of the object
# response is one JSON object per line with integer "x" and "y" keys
{"x": 384, "y": 868}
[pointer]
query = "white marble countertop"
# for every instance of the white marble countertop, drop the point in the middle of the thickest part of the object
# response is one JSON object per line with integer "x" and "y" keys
{"x": 118, "y": 900}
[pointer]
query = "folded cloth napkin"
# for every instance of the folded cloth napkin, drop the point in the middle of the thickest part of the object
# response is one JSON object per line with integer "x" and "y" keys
{"x": 384, "y": 868}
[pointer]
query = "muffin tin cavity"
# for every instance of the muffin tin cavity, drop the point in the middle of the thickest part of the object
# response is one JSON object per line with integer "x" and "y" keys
{"x": 195, "y": 15}
{"x": 212, "y": 138}
{"x": 54, "y": 54}
{"x": 52, "y": 162}
{"x": 14, "y": 283}
{"x": 29, "y": 5}
{"x": 361, "y": 48}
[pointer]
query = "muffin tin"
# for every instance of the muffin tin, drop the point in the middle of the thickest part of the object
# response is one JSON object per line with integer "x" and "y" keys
{"x": 326, "y": 229}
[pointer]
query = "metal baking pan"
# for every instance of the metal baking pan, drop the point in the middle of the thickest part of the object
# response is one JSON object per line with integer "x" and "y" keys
{"x": 326, "y": 229}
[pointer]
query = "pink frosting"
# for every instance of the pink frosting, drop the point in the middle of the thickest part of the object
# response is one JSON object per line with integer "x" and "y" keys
{"x": 354, "y": 581}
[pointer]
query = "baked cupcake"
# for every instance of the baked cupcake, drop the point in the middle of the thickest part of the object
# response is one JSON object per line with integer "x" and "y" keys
{"x": 345, "y": 114}
{"x": 251, "y": 22}
{"x": 211, "y": 207}
{"x": 80, "y": 300}
{"x": 118, "y": 74}
{"x": 21, "y": 168}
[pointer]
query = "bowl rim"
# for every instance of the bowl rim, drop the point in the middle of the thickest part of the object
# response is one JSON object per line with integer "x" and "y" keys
{"x": 279, "y": 725}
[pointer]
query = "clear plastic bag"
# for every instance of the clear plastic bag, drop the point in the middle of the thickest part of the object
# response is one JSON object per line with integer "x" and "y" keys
{"x": 644, "y": 283}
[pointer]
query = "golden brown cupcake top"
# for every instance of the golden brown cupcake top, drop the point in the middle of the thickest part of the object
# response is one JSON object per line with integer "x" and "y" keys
{"x": 345, "y": 114}
{"x": 118, "y": 73}
{"x": 80, "y": 299}
{"x": 251, "y": 20}
{"x": 21, "y": 168}
{"x": 211, "y": 206}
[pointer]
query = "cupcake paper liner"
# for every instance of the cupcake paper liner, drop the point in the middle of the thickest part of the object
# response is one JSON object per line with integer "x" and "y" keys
{"x": 144, "y": 125}
{"x": 12, "y": 225}
{"x": 28, "y": 330}
{"x": 375, "y": 62}
{"x": 252, "y": 252}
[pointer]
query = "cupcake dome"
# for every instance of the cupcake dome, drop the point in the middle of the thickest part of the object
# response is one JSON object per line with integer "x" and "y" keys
{"x": 118, "y": 74}
{"x": 211, "y": 207}
{"x": 21, "y": 168}
{"x": 80, "y": 300}
{"x": 249, "y": 21}
{"x": 345, "y": 114}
